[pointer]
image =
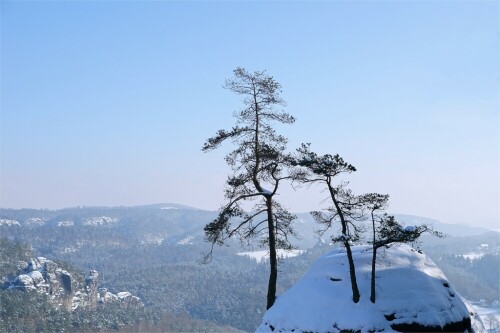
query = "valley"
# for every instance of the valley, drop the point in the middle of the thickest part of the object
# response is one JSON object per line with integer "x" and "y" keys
{"x": 154, "y": 253}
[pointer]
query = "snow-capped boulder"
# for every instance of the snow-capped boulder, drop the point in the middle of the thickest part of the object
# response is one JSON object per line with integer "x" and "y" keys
{"x": 413, "y": 295}
{"x": 125, "y": 299}
{"x": 23, "y": 282}
{"x": 37, "y": 277}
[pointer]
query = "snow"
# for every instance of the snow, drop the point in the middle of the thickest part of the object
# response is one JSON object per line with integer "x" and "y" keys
{"x": 485, "y": 311}
{"x": 410, "y": 228}
{"x": 409, "y": 286}
{"x": 36, "y": 276}
{"x": 168, "y": 208}
{"x": 65, "y": 223}
{"x": 70, "y": 249}
{"x": 8, "y": 222}
{"x": 123, "y": 294}
{"x": 186, "y": 241}
{"x": 153, "y": 239}
{"x": 264, "y": 254}
{"x": 473, "y": 256}
{"x": 101, "y": 220}
{"x": 35, "y": 221}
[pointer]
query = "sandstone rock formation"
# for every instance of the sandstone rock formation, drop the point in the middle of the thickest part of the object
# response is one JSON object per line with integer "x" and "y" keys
{"x": 65, "y": 289}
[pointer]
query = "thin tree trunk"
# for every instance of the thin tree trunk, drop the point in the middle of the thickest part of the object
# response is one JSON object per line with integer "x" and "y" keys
{"x": 374, "y": 259}
{"x": 273, "y": 260}
{"x": 352, "y": 269}
{"x": 372, "y": 286}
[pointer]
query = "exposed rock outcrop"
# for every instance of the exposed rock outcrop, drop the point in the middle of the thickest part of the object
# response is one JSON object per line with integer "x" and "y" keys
{"x": 65, "y": 289}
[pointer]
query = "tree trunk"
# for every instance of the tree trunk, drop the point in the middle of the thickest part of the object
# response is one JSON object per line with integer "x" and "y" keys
{"x": 273, "y": 259}
{"x": 374, "y": 259}
{"x": 372, "y": 286}
{"x": 352, "y": 271}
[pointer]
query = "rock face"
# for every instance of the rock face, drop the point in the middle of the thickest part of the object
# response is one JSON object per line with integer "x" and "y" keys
{"x": 413, "y": 295}
{"x": 67, "y": 290}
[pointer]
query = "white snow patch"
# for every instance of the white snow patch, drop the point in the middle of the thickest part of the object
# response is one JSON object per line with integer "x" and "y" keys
{"x": 101, "y": 220}
{"x": 168, "y": 208}
{"x": 409, "y": 286}
{"x": 264, "y": 254}
{"x": 35, "y": 221}
{"x": 70, "y": 249}
{"x": 186, "y": 241}
{"x": 473, "y": 256}
{"x": 155, "y": 239}
{"x": 123, "y": 294}
{"x": 8, "y": 222}
{"x": 65, "y": 223}
{"x": 485, "y": 312}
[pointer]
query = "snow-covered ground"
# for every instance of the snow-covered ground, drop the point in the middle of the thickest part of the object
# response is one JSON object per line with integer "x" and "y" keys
{"x": 486, "y": 312}
{"x": 410, "y": 289}
{"x": 264, "y": 254}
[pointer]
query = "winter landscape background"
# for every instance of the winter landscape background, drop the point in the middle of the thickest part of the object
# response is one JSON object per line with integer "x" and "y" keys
{"x": 154, "y": 253}
{"x": 105, "y": 106}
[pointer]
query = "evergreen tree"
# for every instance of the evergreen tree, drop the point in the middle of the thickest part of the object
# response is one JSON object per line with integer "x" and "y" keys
{"x": 258, "y": 164}
{"x": 346, "y": 207}
{"x": 390, "y": 232}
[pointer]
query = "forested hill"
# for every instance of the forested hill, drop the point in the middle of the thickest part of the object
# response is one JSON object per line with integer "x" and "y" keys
{"x": 154, "y": 252}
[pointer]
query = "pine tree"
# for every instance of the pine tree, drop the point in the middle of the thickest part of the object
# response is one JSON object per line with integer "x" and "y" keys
{"x": 259, "y": 165}
{"x": 346, "y": 207}
{"x": 389, "y": 232}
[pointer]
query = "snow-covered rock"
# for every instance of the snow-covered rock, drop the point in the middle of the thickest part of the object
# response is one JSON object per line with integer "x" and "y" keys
{"x": 23, "y": 282}
{"x": 37, "y": 277}
{"x": 412, "y": 294}
{"x": 64, "y": 289}
{"x": 125, "y": 299}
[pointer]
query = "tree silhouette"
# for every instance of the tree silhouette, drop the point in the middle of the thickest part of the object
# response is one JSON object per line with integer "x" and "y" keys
{"x": 390, "y": 232}
{"x": 346, "y": 207}
{"x": 259, "y": 164}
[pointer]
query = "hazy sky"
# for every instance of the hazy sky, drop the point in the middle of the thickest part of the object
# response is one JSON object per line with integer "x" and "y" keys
{"x": 109, "y": 103}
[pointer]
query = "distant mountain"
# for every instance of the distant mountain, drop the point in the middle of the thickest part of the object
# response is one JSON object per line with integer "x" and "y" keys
{"x": 166, "y": 206}
{"x": 169, "y": 222}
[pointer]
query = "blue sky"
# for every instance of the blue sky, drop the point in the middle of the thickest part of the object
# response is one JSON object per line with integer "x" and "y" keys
{"x": 109, "y": 103}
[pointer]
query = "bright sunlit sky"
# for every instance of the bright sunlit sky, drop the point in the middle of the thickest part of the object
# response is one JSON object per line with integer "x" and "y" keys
{"x": 109, "y": 102}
